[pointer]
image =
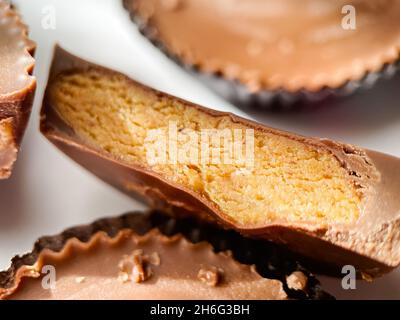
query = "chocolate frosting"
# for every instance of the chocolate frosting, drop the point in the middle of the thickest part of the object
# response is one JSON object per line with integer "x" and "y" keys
{"x": 126, "y": 258}
{"x": 273, "y": 44}
{"x": 17, "y": 85}
{"x": 371, "y": 244}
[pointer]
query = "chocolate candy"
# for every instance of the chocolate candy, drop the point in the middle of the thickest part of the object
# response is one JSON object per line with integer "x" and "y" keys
{"x": 142, "y": 256}
{"x": 333, "y": 203}
{"x": 283, "y": 50}
{"x": 17, "y": 85}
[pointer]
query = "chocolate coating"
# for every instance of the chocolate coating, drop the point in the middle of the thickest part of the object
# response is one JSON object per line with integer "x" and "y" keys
{"x": 274, "y": 44}
{"x": 101, "y": 260}
{"x": 371, "y": 243}
{"x": 17, "y": 85}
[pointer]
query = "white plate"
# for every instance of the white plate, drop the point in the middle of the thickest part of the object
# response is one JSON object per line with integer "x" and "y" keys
{"x": 48, "y": 192}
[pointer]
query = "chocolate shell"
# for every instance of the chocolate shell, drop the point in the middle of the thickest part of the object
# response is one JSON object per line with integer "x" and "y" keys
{"x": 333, "y": 203}
{"x": 259, "y": 52}
{"x": 142, "y": 256}
{"x": 17, "y": 85}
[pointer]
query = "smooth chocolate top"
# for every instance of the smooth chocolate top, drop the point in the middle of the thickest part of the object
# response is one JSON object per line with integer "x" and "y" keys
{"x": 154, "y": 256}
{"x": 125, "y": 258}
{"x": 16, "y": 62}
{"x": 148, "y": 267}
{"x": 272, "y": 44}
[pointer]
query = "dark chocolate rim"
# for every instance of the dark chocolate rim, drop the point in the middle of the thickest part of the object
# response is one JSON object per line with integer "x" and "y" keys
{"x": 267, "y": 99}
{"x": 279, "y": 263}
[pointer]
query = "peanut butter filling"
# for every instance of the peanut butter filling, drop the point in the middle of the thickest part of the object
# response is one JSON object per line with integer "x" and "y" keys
{"x": 287, "y": 180}
{"x": 272, "y": 44}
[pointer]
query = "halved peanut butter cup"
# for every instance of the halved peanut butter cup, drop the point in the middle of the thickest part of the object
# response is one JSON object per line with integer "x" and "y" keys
{"x": 332, "y": 202}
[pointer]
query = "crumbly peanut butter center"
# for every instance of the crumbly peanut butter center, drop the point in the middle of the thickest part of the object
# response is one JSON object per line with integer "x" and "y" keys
{"x": 284, "y": 179}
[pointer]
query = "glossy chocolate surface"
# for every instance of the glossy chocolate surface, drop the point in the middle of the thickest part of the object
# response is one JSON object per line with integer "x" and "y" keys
{"x": 152, "y": 256}
{"x": 275, "y": 44}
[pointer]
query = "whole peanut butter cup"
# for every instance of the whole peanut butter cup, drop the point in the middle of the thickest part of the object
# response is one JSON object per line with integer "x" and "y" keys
{"x": 257, "y": 50}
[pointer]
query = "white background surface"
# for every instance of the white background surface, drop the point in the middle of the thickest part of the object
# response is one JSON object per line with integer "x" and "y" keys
{"x": 48, "y": 192}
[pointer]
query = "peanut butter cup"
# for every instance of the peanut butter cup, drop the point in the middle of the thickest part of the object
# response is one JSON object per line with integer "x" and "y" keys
{"x": 290, "y": 49}
{"x": 332, "y": 202}
{"x": 17, "y": 85}
{"x": 138, "y": 256}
